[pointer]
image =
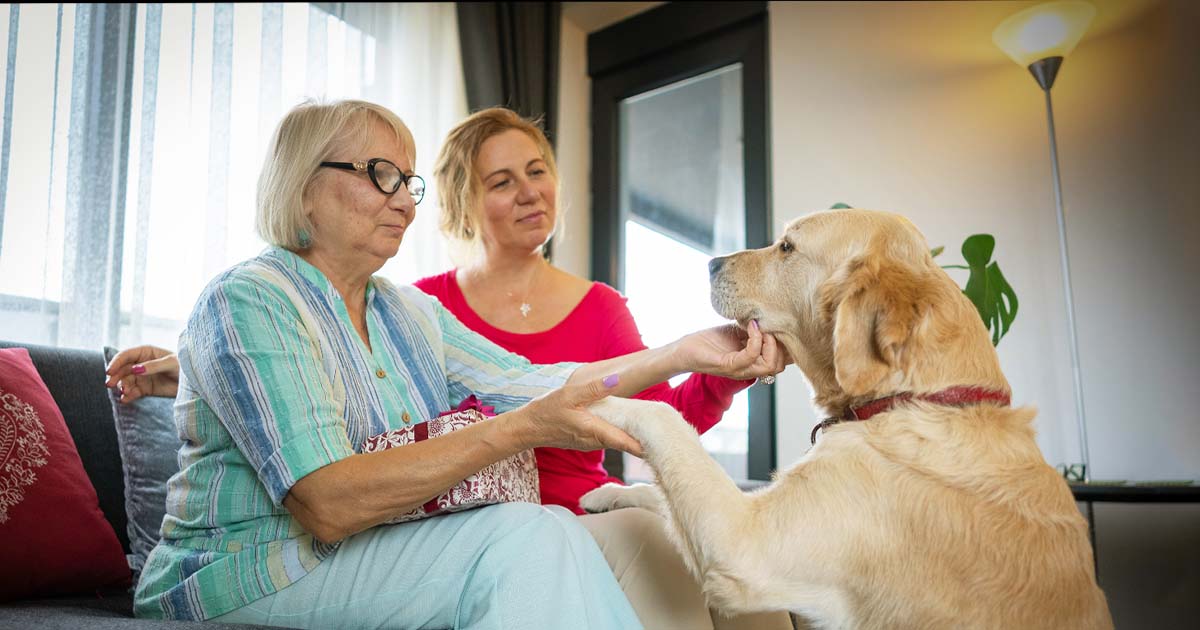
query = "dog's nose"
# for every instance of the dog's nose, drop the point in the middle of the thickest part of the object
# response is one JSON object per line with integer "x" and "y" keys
{"x": 715, "y": 265}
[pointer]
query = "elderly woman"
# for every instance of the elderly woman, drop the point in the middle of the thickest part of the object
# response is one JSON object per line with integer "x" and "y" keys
{"x": 292, "y": 359}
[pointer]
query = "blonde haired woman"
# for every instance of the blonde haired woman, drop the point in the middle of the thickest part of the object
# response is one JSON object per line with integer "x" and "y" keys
{"x": 290, "y": 360}
{"x": 499, "y": 188}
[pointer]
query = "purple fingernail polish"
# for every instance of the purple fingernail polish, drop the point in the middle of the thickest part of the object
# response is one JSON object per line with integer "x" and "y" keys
{"x": 138, "y": 369}
{"x": 611, "y": 380}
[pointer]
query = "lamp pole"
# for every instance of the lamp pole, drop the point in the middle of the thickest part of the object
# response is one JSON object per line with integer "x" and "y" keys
{"x": 1045, "y": 71}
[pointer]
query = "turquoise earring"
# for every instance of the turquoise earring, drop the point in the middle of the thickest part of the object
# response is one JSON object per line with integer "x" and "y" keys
{"x": 305, "y": 239}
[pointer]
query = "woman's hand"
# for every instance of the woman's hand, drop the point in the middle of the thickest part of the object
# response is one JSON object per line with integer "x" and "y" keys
{"x": 561, "y": 419}
{"x": 732, "y": 352}
{"x": 143, "y": 371}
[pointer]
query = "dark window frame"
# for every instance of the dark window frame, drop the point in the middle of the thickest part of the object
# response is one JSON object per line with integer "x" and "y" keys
{"x": 653, "y": 49}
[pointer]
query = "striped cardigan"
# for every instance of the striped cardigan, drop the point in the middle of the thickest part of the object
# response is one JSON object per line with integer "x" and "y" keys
{"x": 275, "y": 383}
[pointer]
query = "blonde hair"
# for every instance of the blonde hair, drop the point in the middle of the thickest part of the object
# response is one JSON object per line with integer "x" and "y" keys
{"x": 309, "y": 134}
{"x": 459, "y": 187}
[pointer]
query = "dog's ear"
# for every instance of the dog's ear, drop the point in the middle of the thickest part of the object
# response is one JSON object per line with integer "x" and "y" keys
{"x": 877, "y": 309}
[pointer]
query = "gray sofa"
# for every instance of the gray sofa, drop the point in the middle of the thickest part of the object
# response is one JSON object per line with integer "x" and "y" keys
{"x": 76, "y": 380}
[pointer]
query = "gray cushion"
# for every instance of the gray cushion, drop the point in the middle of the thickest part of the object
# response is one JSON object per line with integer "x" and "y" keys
{"x": 149, "y": 448}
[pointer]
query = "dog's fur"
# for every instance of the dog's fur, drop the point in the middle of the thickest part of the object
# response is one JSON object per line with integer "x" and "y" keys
{"x": 925, "y": 516}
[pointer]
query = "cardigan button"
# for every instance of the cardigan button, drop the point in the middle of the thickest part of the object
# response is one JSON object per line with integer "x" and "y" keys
{"x": 405, "y": 417}
{"x": 380, "y": 373}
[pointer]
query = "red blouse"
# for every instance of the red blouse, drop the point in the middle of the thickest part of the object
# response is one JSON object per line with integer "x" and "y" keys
{"x": 600, "y": 327}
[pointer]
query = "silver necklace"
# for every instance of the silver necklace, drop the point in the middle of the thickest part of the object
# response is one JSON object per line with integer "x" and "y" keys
{"x": 525, "y": 306}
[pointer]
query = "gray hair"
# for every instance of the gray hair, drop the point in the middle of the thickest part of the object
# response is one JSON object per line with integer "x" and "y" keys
{"x": 309, "y": 134}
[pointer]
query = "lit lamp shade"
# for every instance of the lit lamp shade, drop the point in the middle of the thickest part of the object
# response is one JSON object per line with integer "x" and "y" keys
{"x": 1045, "y": 30}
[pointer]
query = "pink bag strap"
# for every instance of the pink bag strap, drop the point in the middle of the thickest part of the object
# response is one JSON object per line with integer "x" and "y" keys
{"x": 469, "y": 403}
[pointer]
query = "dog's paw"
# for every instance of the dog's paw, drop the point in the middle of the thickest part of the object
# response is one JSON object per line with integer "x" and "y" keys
{"x": 610, "y": 496}
{"x": 618, "y": 412}
{"x": 647, "y": 421}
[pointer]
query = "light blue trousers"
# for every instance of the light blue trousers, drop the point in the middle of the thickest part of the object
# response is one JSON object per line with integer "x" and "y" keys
{"x": 514, "y": 566}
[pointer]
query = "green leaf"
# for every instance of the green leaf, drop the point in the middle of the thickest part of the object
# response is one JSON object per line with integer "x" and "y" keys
{"x": 977, "y": 249}
{"x": 986, "y": 287}
{"x": 839, "y": 206}
{"x": 937, "y": 250}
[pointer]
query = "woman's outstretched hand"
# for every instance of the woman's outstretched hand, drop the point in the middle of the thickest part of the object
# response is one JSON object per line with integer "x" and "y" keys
{"x": 561, "y": 419}
{"x": 143, "y": 371}
{"x": 732, "y": 352}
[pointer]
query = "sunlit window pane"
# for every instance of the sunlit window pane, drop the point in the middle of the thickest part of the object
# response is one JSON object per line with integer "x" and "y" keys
{"x": 682, "y": 200}
{"x": 667, "y": 285}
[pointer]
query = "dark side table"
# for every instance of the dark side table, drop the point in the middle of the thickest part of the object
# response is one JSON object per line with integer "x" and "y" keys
{"x": 1127, "y": 493}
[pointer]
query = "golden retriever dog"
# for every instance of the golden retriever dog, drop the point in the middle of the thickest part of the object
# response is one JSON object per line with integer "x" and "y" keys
{"x": 925, "y": 502}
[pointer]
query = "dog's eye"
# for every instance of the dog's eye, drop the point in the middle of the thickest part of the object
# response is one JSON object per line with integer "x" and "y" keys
{"x": 785, "y": 246}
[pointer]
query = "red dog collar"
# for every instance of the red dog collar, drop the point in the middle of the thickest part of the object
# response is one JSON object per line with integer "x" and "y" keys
{"x": 954, "y": 397}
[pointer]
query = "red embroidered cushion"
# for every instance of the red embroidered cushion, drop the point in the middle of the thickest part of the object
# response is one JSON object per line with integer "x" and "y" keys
{"x": 54, "y": 540}
{"x": 513, "y": 479}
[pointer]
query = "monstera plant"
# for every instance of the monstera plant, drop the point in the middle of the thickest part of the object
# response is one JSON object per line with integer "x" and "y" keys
{"x": 986, "y": 287}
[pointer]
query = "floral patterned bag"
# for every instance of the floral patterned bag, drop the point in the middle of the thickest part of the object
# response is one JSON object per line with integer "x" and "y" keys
{"x": 514, "y": 479}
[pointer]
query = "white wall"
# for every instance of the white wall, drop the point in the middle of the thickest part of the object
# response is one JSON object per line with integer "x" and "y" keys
{"x": 870, "y": 107}
{"x": 572, "y": 249}
{"x": 909, "y": 107}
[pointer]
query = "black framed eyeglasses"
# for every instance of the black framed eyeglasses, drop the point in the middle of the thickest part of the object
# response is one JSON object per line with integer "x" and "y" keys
{"x": 386, "y": 176}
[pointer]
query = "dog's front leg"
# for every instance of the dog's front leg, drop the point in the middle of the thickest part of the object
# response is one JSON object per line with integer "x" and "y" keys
{"x": 707, "y": 510}
{"x": 686, "y": 473}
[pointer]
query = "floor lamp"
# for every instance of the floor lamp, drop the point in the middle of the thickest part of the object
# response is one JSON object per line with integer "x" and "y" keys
{"x": 1038, "y": 38}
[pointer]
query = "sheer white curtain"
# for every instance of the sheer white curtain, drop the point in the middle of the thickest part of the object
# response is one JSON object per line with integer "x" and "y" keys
{"x": 133, "y": 136}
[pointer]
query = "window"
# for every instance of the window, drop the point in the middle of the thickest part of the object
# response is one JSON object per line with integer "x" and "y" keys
{"x": 679, "y": 175}
{"x": 133, "y": 137}
{"x": 682, "y": 202}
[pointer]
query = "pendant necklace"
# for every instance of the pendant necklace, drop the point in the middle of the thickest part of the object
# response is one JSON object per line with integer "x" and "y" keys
{"x": 525, "y": 307}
